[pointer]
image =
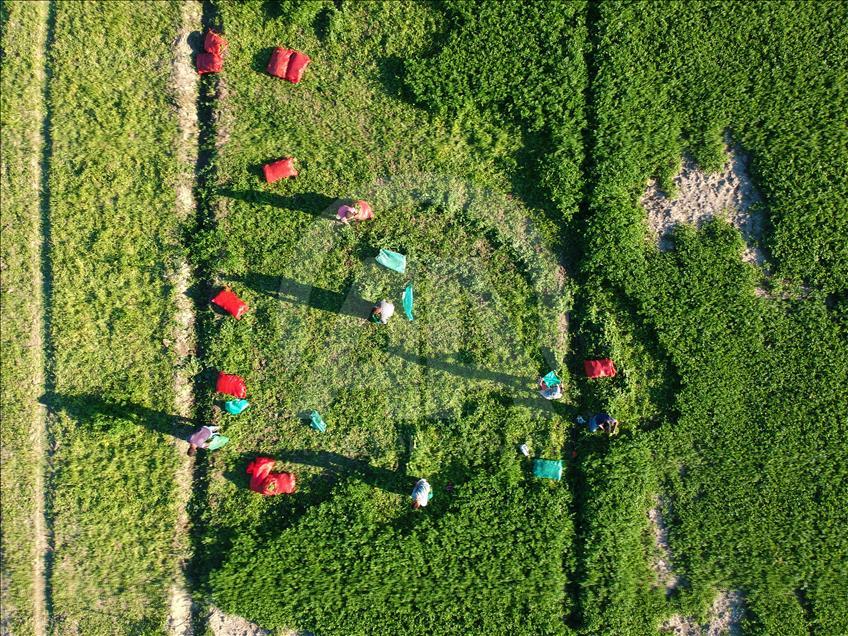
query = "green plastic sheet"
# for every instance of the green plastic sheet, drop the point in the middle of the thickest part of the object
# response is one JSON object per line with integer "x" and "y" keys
{"x": 548, "y": 468}
{"x": 235, "y": 407}
{"x": 217, "y": 441}
{"x": 392, "y": 260}
{"x": 551, "y": 379}
{"x": 407, "y": 301}
{"x": 317, "y": 422}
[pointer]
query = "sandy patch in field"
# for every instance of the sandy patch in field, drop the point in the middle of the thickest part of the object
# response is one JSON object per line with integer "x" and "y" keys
{"x": 723, "y": 619}
{"x": 183, "y": 88}
{"x": 728, "y": 194}
{"x": 226, "y": 625}
{"x": 662, "y": 563}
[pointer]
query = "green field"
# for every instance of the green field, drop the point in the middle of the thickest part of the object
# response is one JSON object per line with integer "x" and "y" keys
{"x": 504, "y": 148}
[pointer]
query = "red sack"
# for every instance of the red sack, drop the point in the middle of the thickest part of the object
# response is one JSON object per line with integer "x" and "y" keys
{"x": 599, "y": 368}
{"x": 209, "y": 63}
{"x": 279, "y": 62}
{"x": 282, "y": 169}
{"x": 297, "y": 64}
{"x": 230, "y": 303}
{"x": 231, "y": 385}
{"x": 214, "y": 43}
{"x": 263, "y": 481}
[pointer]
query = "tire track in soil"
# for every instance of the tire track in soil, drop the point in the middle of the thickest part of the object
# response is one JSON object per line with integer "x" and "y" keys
{"x": 43, "y": 379}
{"x": 184, "y": 91}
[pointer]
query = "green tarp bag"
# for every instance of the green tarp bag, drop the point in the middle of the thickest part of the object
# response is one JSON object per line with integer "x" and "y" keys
{"x": 547, "y": 468}
{"x": 317, "y": 422}
{"x": 407, "y": 301}
{"x": 217, "y": 441}
{"x": 392, "y": 260}
{"x": 236, "y": 407}
{"x": 551, "y": 379}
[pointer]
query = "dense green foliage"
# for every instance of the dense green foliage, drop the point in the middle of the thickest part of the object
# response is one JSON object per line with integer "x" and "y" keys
{"x": 521, "y": 62}
{"x": 747, "y": 448}
{"x": 489, "y": 562}
{"x": 23, "y": 27}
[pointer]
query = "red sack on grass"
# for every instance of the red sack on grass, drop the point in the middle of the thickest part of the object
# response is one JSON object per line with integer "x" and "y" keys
{"x": 209, "y": 63}
{"x": 599, "y": 368}
{"x": 229, "y": 302}
{"x": 282, "y": 169}
{"x": 214, "y": 43}
{"x": 263, "y": 481}
{"x": 279, "y": 62}
{"x": 297, "y": 64}
{"x": 231, "y": 385}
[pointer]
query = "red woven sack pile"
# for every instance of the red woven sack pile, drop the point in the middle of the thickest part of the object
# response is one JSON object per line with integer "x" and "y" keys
{"x": 231, "y": 385}
{"x": 599, "y": 368}
{"x": 282, "y": 169}
{"x": 263, "y": 481}
{"x": 211, "y": 60}
{"x": 287, "y": 64}
{"x": 229, "y": 302}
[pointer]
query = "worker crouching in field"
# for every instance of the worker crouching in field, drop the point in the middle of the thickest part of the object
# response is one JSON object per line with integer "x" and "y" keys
{"x": 268, "y": 483}
{"x": 421, "y": 494}
{"x": 357, "y": 211}
{"x": 202, "y": 438}
{"x": 549, "y": 392}
{"x": 604, "y": 423}
{"x": 382, "y": 312}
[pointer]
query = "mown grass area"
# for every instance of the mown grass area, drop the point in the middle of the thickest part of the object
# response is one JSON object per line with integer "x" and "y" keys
{"x": 448, "y": 396}
{"x": 114, "y": 237}
{"x": 21, "y": 365}
{"x": 746, "y": 451}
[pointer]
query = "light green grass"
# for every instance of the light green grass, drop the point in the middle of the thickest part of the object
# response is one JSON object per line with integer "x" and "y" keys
{"x": 114, "y": 236}
{"x": 24, "y": 27}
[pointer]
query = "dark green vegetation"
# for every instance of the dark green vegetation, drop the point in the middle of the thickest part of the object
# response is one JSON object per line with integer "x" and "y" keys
{"x": 747, "y": 449}
{"x": 497, "y": 141}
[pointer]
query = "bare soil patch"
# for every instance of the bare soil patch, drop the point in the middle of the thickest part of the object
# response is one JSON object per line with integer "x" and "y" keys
{"x": 226, "y": 625}
{"x": 723, "y": 620}
{"x": 662, "y": 563}
{"x": 184, "y": 86}
{"x": 729, "y": 194}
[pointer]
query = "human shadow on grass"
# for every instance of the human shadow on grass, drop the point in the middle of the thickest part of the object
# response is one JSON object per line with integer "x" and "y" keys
{"x": 313, "y": 203}
{"x": 463, "y": 371}
{"x": 288, "y": 290}
{"x": 84, "y": 407}
{"x": 337, "y": 466}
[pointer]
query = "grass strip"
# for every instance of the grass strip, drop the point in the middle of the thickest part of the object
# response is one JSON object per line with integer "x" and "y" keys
{"x": 112, "y": 174}
{"x": 24, "y": 29}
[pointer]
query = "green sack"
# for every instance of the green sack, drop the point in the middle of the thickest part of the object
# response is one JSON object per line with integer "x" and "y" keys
{"x": 235, "y": 407}
{"x": 316, "y": 422}
{"x": 551, "y": 379}
{"x": 407, "y": 301}
{"x": 392, "y": 260}
{"x": 217, "y": 442}
{"x": 548, "y": 468}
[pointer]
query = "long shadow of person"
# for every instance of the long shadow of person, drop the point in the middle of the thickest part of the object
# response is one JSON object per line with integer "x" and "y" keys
{"x": 313, "y": 203}
{"x": 345, "y": 303}
{"x": 341, "y": 466}
{"x": 85, "y": 407}
{"x": 461, "y": 370}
